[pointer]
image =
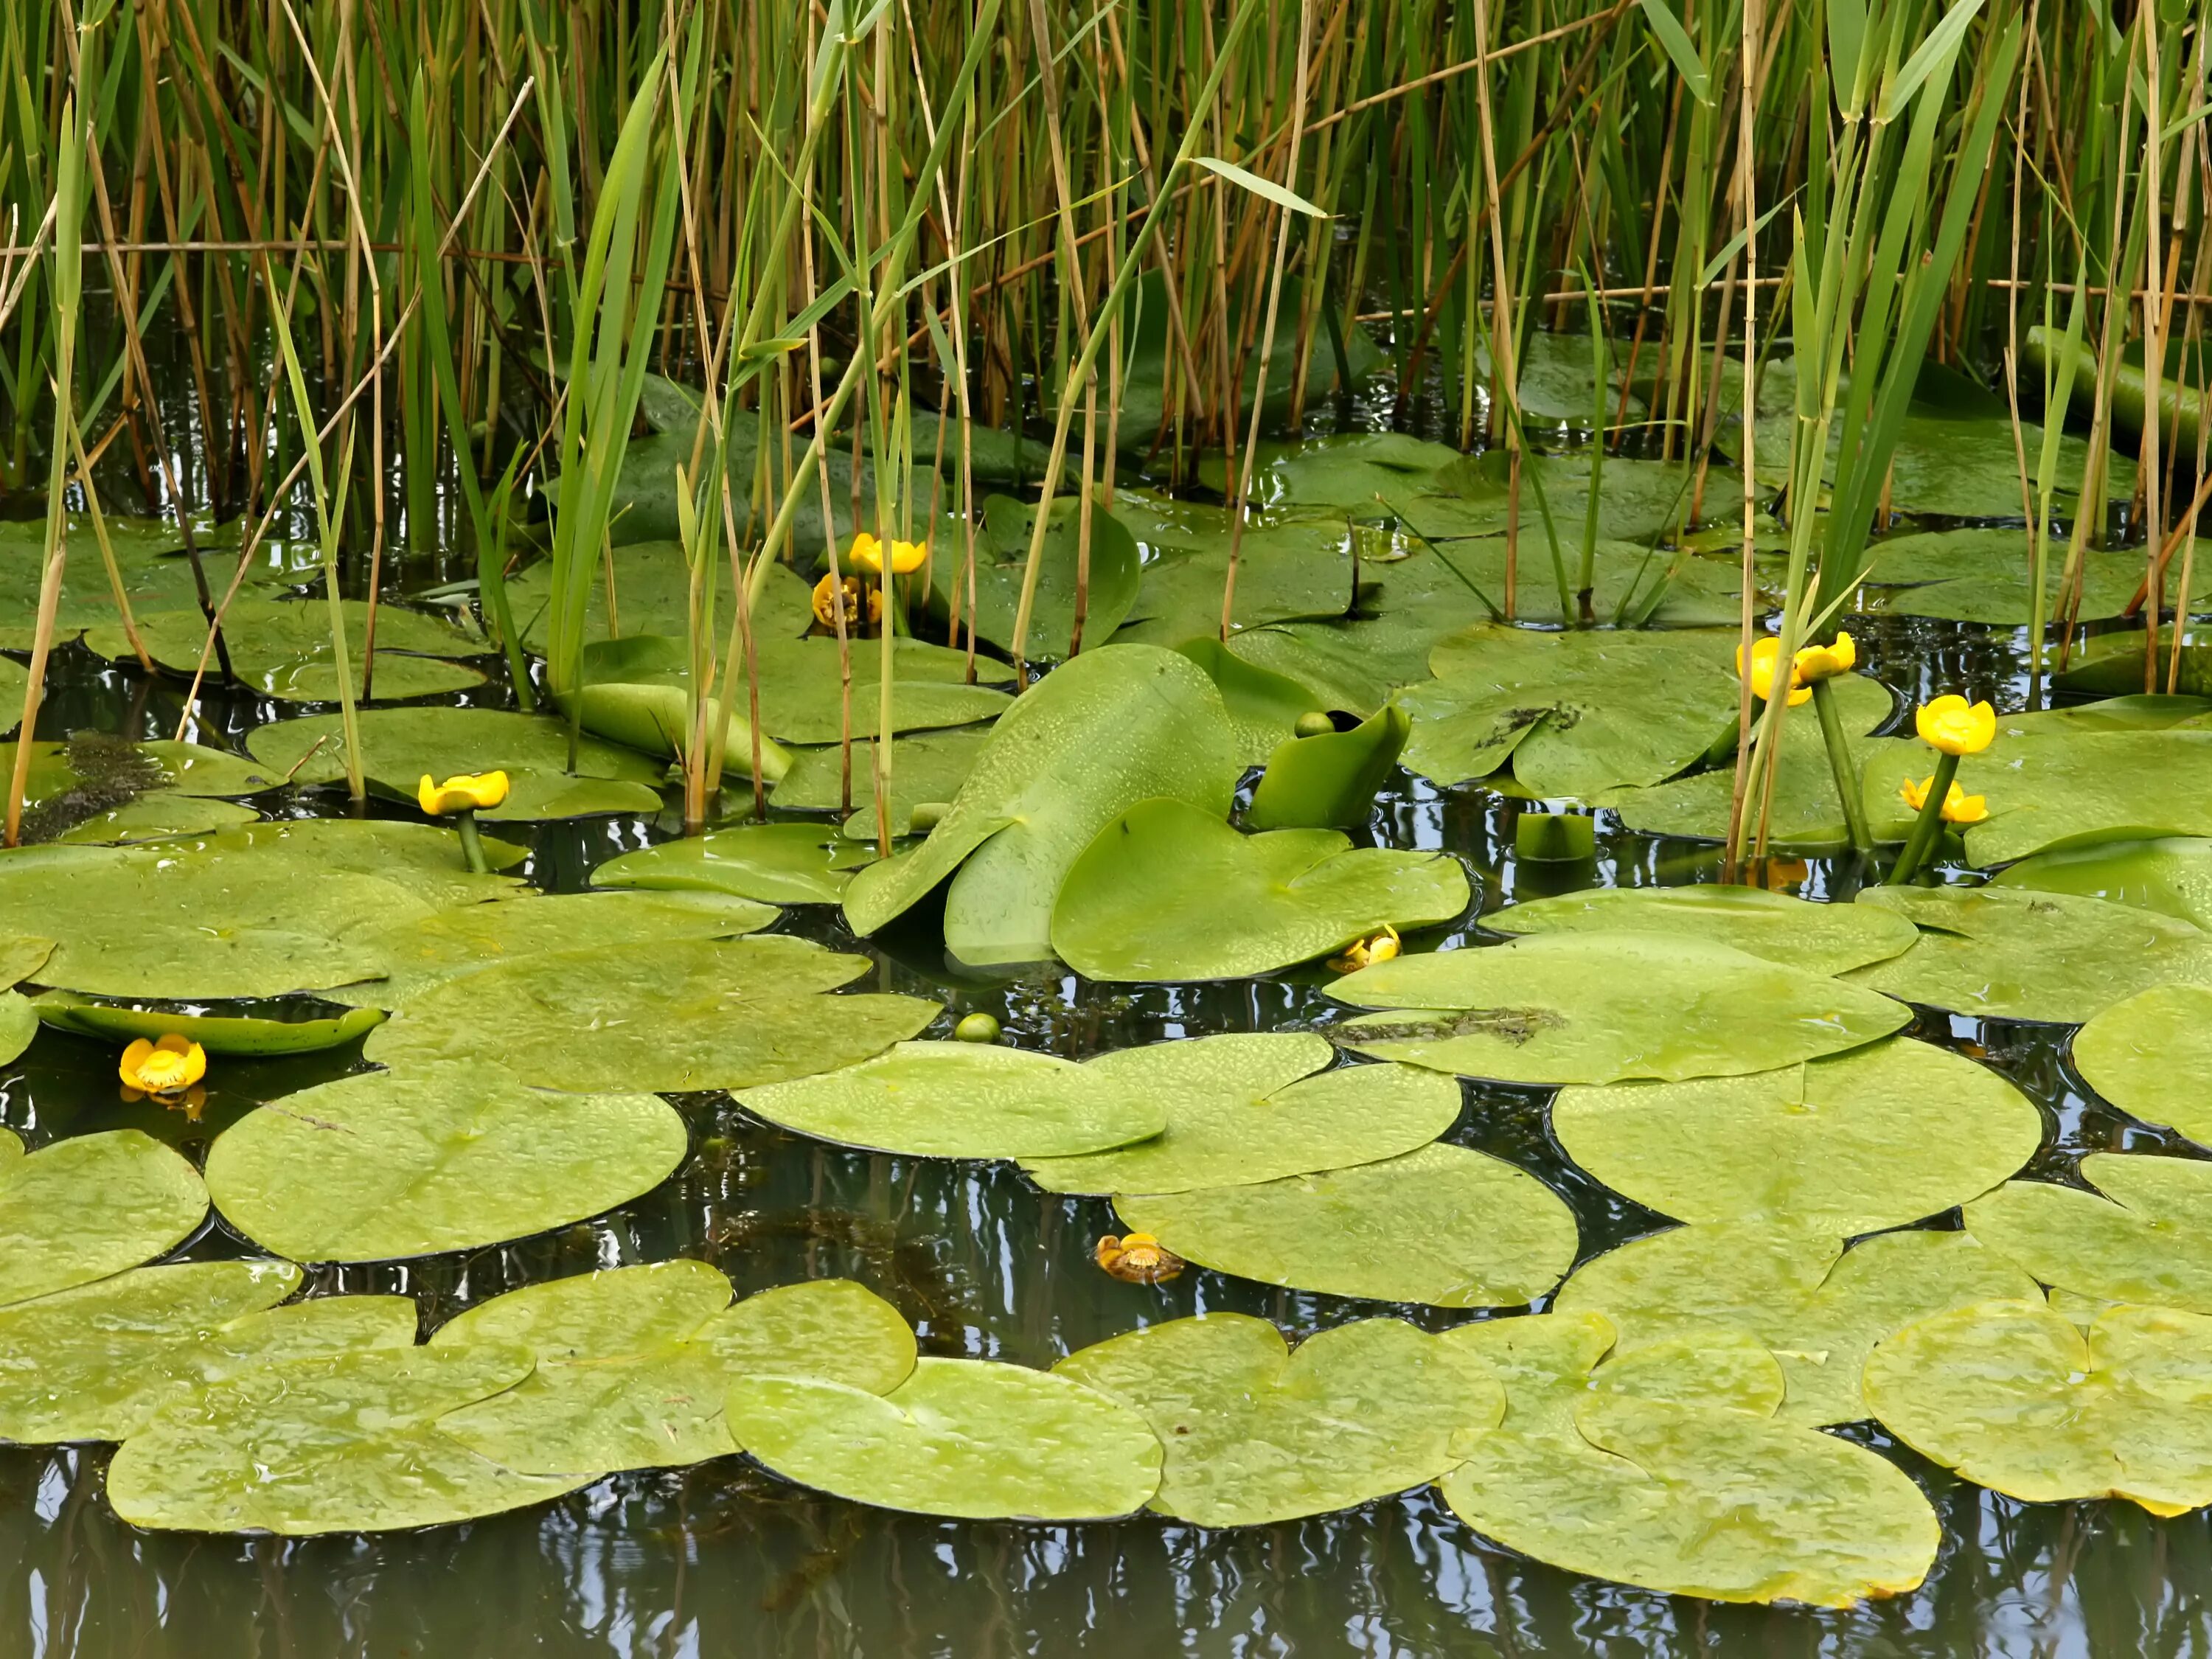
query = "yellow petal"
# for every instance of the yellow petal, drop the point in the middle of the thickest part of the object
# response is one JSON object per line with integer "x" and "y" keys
{"x": 867, "y": 554}
{"x": 1951, "y": 726}
{"x": 907, "y": 557}
{"x": 128, "y": 1070}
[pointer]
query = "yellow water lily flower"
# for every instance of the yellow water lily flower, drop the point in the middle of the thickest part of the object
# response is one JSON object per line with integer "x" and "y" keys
{"x": 1825, "y": 662}
{"x": 1365, "y": 952}
{"x": 1958, "y": 806}
{"x": 168, "y": 1066}
{"x": 825, "y": 601}
{"x": 1138, "y": 1258}
{"x": 470, "y": 793}
{"x": 1955, "y": 726}
{"x": 1764, "y": 655}
{"x": 867, "y": 554}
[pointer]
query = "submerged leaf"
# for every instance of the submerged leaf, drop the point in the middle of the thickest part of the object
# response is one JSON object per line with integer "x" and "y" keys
{"x": 1168, "y": 891}
{"x": 958, "y": 1438}
{"x": 1257, "y": 1433}
{"x": 1443, "y": 1226}
{"x": 1606, "y": 1008}
{"x": 409, "y": 1163}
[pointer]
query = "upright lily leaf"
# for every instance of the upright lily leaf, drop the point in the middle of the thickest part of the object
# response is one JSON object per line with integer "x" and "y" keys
{"x": 1329, "y": 779}
{"x": 958, "y": 1438}
{"x": 434, "y": 1157}
{"x": 1443, "y": 1226}
{"x": 2015, "y": 1398}
{"x": 1858, "y": 1141}
{"x": 1257, "y": 1433}
{"x": 1168, "y": 891}
{"x": 1114, "y": 726}
{"x": 1606, "y": 1008}
{"x": 218, "y": 1034}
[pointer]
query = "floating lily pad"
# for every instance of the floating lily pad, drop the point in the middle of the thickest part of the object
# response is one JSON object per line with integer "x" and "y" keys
{"x": 1821, "y": 939}
{"x": 632, "y": 1364}
{"x": 22, "y": 956}
{"x": 282, "y": 647}
{"x": 1298, "y": 564}
{"x": 1247, "y": 1108}
{"x": 161, "y": 816}
{"x": 1805, "y": 814}
{"x": 1002, "y": 550}
{"x": 1874, "y": 1138}
{"x": 1264, "y": 707}
{"x": 468, "y": 939}
{"x": 653, "y": 595}
{"x": 2011, "y": 953}
{"x": 1443, "y": 1226}
{"x": 2014, "y": 1398}
{"x": 218, "y": 1034}
{"x": 436, "y": 1157}
{"x": 669, "y": 1016}
{"x": 1330, "y": 779}
{"x": 773, "y": 863}
{"x": 346, "y": 1443}
{"x": 2149, "y": 1239}
{"x": 928, "y": 769}
{"x": 1983, "y": 576}
{"x": 1257, "y": 1433}
{"x": 400, "y": 745}
{"x": 1575, "y": 714}
{"x": 19, "y": 1024}
{"x": 223, "y": 916}
{"x": 84, "y": 1208}
{"x": 958, "y": 1438}
{"x": 1638, "y": 500}
{"x": 160, "y": 772}
{"x": 96, "y": 1362}
{"x": 960, "y": 1100}
{"x": 802, "y": 695}
{"x": 1606, "y": 1008}
{"x": 2172, "y": 875}
{"x": 1114, "y": 726}
{"x": 2150, "y": 1055}
{"x": 1796, "y": 1292}
{"x": 1701, "y": 1501}
{"x": 1169, "y": 891}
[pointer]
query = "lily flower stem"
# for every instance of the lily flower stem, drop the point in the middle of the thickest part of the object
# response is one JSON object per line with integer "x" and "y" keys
{"x": 1928, "y": 825}
{"x": 1839, "y": 763}
{"x": 466, "y": 823}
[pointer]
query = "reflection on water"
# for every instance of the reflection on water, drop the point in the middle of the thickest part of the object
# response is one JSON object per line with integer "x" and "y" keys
{"x": 724, "y": 1559}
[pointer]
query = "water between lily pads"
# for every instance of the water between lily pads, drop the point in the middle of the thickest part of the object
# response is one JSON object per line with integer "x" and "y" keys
{"x": 723, "y": 1559}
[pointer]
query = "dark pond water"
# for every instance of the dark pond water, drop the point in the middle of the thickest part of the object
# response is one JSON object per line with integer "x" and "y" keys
{"x": 725, "y": 1559}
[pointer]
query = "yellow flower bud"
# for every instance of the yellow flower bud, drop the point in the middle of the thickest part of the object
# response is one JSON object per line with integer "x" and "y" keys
{"x": 1952, "y": 726}
{"x": 470, "y": 793}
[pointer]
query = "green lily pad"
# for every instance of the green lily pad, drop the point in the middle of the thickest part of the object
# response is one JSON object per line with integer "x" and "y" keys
{"x": 1117, "y": 725}
{"x": 961, "y": 1100}
{"x": 1874, "y": 1138}
{"x": 1575, "y": 714}
{"x": 1002, "y": 550}
{"x": 79, "y": 780}
{"x": 401, "y": 1164}
{"x": 2148, "y": 1239}
{"x": 162, "y": 815}
{"x": 1549, "y": 1363}
{"x": 218, "y": 1034}
{"x": 2014, "y": 1398}
{"x": 772, "y": 863}
{"x": 2013, "y": 953}
{"x": 1638, "y": 500}
{"x": 1805, "y": 814}
{"x": 97, "y": 1362}
{"x": 1290, "y": 565}
{"x": 669, "y": 1016}
{"x": 93, "y": 1205}
{"x": 400, "y": 746}
{"x": 149, "y": 555}
{"x": 958, "y": 1438}
{"x": 344, "y": 1443}
{"x": 1245, "y": 1108}
{"x": 1329, "y": 779}
{"x": 1264, "y": 707}
{"x": 1821, "y": 939}
{"x": 1169, "y": 891}
{"x": 638, "y": 696}
{"x": 1698, "y": 1500}
{"x": 2148, "y": 1055}
{"x": 2172, "y": 875}
{"x": 1795, "y": 1290}
{"x": 1257, "y": 1433}
{"x": 1443, "y": 1226}
{"x": 1606, "y": 1008}
{"x": 22, "y": 956}
{"x": 928, "y": 769}
{"x": 1983, "y": 576}
{"x": 456, "y": 943}
{"x": 223, "y": 916}
{"x": 802, "y": 696}
{"x": 653, "y": 595}
{"x": 19, "y": 1024}
{"x": 632, "y": 1364}
{"x": 282, "y": 647}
